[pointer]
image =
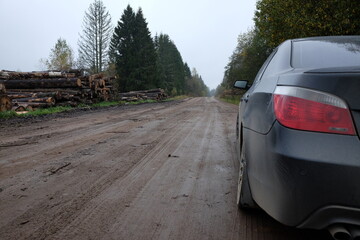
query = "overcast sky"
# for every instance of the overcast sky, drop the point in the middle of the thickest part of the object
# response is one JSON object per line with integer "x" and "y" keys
{"x": 204, "y": 31}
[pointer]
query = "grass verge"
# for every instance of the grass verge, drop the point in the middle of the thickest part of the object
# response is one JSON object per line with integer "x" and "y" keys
{"x": 101, "y": 104}
{"x": 8, "y": 114}
{"x": 180, "y": 97}
{"x": 139, "y": 102}
{"x": 51, "y": 110}
{"x": 234, "y": 99}
{"x": 44, "y": 111}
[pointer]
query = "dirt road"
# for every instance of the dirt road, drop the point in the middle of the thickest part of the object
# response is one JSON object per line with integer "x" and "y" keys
{"x": 152, "y": 171}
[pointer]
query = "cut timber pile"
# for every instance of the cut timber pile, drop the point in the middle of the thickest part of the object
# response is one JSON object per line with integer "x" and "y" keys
{"x": 2, "y": 88}
{"x": 44, "y": 89}
{"x": 5, "y": 101}
{"x": 152, "y": 94}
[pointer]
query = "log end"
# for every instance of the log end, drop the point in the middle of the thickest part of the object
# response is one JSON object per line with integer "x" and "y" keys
{"x": 2, "y": 88}
{"x": 5, "y": 103}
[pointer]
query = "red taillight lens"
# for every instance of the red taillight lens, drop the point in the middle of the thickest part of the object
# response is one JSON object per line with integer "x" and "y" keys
{"x": 311, "y": 110}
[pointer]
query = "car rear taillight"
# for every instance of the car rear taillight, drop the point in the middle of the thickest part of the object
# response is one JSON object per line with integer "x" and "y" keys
{"x": 310, "y": 110}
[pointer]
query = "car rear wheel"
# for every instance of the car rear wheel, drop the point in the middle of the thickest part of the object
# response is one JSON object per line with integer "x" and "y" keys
{"x": 237, "y": 127}
{"x": 244, "y": 198}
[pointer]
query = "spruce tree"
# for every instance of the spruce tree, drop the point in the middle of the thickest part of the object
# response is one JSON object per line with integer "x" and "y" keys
{"x": 187, "y": 72}
{"x": 121, "y": 48}
{"x": 171, "y": 67}
{"x": 132, "y": 51}
{"x": 197, "y": 86}
{"x": 145, "y": 73}
{"x": 94, "y": 41}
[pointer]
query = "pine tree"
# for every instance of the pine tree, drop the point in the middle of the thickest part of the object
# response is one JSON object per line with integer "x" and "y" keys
{"x": 94, "y": 41}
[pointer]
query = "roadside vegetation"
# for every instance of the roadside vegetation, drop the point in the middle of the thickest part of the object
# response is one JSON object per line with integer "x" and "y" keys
{"x": 233, "y": 99}
{"x": 40, "y": 111}
{"x": 279, "y": 20}
{"x": 52, "y": 110}
{"x": 178, "y": 97}
{"x": 129, "y": 52}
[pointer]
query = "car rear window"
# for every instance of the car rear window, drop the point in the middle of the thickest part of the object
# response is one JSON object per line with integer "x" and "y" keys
{"x": 326, "y": 53}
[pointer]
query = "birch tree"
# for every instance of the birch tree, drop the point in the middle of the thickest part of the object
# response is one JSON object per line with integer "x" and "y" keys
{"x": 61, "y": 57}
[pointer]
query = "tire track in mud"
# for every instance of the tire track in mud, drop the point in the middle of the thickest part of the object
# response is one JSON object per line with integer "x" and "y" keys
{"x": 68, "y": 139}
{"x": 84, "y": 155}
{"x": 119, "y": 195}
{"x": 179, "y": 192}
{"x": 159, "y": 172}
{"x": 74, "y": 206}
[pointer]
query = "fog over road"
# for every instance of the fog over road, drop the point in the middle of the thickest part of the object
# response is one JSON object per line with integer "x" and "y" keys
{"x": 151, "y": 171}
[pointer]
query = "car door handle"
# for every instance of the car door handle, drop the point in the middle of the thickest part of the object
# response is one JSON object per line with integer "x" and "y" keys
{"x": 245, "y": 99}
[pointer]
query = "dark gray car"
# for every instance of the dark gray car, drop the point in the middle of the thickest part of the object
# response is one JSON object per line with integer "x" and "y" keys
{"x": 298, "y": 131}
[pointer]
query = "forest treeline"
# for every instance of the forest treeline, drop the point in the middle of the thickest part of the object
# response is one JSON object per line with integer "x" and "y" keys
{"x": 278, "y": 20}
{"x": 128, "y": 51}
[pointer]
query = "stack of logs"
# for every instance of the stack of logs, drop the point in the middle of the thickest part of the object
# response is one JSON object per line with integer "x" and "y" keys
{"x": 28, "y": 90}
{"x": 157, "y": 94}
{"x": 5, "y": 101}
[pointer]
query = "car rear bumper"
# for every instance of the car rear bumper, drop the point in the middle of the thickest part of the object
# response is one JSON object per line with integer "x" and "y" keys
{"x": 305, "y": 179}
{"x": 328, "y": 215}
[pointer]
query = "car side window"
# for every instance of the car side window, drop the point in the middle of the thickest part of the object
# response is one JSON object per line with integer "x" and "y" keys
{"x": 278, "y": 63}
{"x": 263, "y": 68}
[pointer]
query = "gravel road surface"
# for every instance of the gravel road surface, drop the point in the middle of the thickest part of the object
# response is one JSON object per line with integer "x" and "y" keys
{"x": 151, "y": 171}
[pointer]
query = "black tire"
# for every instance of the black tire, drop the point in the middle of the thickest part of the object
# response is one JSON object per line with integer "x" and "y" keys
{"x": 237, "y": 127}
{"x": 244, "y": 198}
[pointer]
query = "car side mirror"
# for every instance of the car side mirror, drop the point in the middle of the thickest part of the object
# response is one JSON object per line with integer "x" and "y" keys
{"x": 242, "y": 84}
